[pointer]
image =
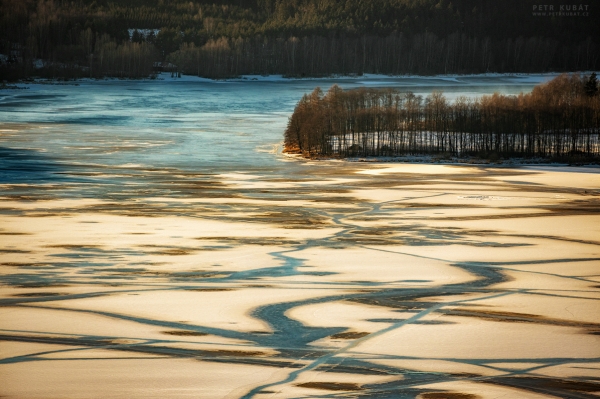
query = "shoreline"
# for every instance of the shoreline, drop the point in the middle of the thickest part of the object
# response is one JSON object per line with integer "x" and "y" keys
{"x": 468, "y": 162}
{"x": 433, "y": 160}
{"x": 165, "y": 77}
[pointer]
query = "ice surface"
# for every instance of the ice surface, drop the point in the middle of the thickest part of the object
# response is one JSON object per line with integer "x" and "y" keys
{"x": 155, "y": 243}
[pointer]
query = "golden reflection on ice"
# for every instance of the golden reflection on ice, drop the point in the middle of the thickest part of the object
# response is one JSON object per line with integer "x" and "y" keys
{"x": 425, "y": 281}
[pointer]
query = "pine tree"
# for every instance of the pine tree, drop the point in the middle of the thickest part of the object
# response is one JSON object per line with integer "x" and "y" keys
{"x": 591, "y": 86}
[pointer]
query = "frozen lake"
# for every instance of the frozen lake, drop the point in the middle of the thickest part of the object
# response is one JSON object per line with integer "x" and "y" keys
{"x": 188, "y": 124}
{"x": 155, "y": 243}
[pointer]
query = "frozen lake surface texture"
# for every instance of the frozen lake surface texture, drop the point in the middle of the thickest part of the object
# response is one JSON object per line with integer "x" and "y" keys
{"x": 155, "y": 243}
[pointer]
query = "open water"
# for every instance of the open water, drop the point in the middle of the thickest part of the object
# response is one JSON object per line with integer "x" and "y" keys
{"x": 187, "y": 124}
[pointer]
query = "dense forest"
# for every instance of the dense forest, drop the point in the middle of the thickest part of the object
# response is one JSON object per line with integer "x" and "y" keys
{"x": 558, "y": 120}
{"x": 223, "y": 38}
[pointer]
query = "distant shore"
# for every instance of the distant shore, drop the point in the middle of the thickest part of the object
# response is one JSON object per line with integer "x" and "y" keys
{"x": 166, "y": 77}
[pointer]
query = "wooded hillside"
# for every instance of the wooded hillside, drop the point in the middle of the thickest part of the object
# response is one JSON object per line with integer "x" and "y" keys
{"x": 222, "y": 38}
{"x": 558, "y": 119}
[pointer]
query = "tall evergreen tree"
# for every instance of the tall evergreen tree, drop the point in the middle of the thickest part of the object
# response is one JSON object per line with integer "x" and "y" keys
{"x": 591, "y": 85}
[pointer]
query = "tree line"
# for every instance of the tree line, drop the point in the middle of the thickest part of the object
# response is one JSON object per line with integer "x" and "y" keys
{"x": 222, "y": 38}
{"x": 394, "y": 54}
{"x": 559, "y": 119}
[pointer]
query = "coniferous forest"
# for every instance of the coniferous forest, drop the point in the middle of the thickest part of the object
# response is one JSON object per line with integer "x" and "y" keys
{"x": 224, "y": 38}
{"x": 558, "y": 120}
